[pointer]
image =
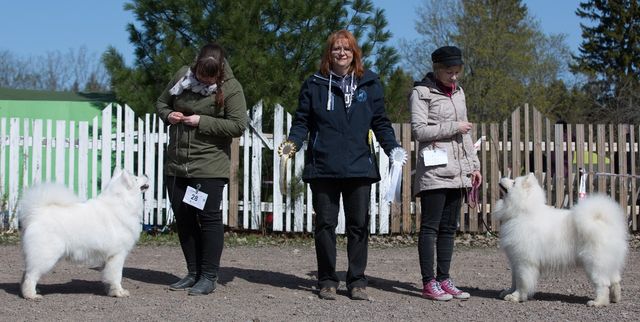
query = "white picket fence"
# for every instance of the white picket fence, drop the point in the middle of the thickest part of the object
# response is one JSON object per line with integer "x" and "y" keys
{"x": 82, "y": 156}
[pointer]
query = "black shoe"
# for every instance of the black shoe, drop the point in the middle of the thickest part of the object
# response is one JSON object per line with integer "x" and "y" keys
{"x": 327, "y": 293}
{"x": 359, "y": 294}
{"x": 204, "y": 286}
{"x": 183, "y": 284}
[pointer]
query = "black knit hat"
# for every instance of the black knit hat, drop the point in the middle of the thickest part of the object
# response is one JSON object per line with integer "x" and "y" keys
{"x": 448, "y": 56}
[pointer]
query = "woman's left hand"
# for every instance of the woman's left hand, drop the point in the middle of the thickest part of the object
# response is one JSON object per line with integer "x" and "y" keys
{"x": 476, "y": 178}
{"x": 191, "y": 120}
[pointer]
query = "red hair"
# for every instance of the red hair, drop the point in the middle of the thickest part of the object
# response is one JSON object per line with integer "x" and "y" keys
{"x": 356, "y": 64}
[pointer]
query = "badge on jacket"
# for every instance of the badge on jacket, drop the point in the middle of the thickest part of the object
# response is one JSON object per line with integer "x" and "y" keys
{"x": 435, "y": 157}
{"x": 361, "y": 96}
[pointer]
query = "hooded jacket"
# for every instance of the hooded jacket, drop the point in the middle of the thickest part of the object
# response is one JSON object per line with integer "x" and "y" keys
{"x": 203, "y": 151}
{"x": 338, "y": 138}
{"x": 434, "y": 123}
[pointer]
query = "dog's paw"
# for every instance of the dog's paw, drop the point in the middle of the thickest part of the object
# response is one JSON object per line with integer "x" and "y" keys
{"x": 505, "y": 292}
{"x": 34, "y": 296}
{"x": 596, "y": 303}
{"x": 512, "y": 297}
{"x": 120, "y": 292}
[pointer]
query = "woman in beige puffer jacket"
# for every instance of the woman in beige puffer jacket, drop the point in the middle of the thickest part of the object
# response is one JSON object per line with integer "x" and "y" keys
{"x": 447, "y": 166}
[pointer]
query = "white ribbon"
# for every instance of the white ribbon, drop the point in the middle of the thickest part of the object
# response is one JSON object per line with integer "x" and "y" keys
{"x": 398, "y": 158}
{"x": 582, "y": 190}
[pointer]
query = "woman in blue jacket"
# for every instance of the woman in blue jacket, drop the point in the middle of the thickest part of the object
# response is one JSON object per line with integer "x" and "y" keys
{"x": 338, "y": 105}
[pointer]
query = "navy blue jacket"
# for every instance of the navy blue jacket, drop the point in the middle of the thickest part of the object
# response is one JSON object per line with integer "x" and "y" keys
{"x": 338, "y": 140}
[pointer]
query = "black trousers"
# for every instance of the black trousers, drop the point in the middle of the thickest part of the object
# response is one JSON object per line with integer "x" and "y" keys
{"x": 201, "y": 232}
{"x": 326, "y": 204}
{"x": 439, "y": 222}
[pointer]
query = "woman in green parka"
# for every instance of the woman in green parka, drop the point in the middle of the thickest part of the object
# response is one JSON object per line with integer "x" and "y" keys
{"x": 206, "y": 108}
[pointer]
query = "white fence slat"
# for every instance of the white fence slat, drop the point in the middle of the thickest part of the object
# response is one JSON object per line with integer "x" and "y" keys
{"x": 278, "y": 138}
{"x": 162, "y": 139}
{"x": 48, "y": 148}
{"x": 83, "y": 159}
{"x": 72, "y": 155}
{"x": 340, "y": 227}
{"x": 118, "y": 164}
{"x": 287, "y": 198}
{"x": 384, "y": 209}
{"x": 36, "y": 152}
{"x": 298, "y": 223}
{"x": 14, "y": 156}
{"x": 148, "y": 169}
{"x": 94, "y": 159}
{"x": 245, "y": 187}
{"x": 61, "y": 127}
{"x": 129, "y": 119}
{"x": 26, "y": 154}
{"x": 225, "y": 204}
{"x": 256, "y": 169}
{"x": 106, "y": 146}
{"x": 140, "y": 148}
{"x": 309, "y": 226}
{"x": 3, "y": 155}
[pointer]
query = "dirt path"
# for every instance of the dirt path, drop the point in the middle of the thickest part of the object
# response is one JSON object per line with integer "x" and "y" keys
{"x": 277, "y": 284}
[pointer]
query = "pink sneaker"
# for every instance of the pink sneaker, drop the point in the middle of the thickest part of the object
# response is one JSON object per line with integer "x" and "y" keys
{"x": 448, "y": 287}
{"x": 432, "y": 291}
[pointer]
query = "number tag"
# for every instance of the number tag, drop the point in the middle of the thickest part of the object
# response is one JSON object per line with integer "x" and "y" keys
{"x": 195, "y": 198}
{"x": 434, "y": 157}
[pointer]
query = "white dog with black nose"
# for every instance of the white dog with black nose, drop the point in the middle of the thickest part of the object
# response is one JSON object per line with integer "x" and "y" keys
{"x": 539, "y": 239}
{"x": 55, "y": 224}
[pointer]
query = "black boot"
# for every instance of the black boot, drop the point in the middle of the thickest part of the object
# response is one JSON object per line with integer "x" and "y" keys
{"x": 204, "y": 286}
{"x": 185, "y": 283}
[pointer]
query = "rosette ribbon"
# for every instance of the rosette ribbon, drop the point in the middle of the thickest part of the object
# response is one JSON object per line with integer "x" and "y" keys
{"x": 286, "y": 150}
{"x": 398, "y": 157}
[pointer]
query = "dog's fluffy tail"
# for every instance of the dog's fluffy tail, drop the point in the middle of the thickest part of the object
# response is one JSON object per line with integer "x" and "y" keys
{"x": 601, "y": 224}
{"x": 43, "y": 195}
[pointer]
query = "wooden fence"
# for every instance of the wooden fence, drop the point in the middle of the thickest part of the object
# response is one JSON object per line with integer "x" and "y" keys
{"x": 83, "y": 154}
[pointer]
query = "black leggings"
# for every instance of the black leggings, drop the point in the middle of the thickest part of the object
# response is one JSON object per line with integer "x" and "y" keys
{"x": 326, "y": 204}
{"x": 201, "y": 232}
{"x": 439, "y": 222}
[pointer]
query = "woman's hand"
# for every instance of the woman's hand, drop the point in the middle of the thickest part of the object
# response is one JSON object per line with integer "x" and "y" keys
{"x": 464, "y": 127}
{"x": 175, "y": 117}
{"x": 191, "y": 120}
{"x": 476, "y": 178}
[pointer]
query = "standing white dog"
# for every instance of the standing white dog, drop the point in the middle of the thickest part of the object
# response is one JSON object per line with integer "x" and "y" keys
{"x": 55, "y": 223}
{"x": 541, "y": 239}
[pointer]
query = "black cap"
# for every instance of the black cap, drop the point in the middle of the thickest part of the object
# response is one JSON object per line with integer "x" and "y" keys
{"x": 448, "y": 56}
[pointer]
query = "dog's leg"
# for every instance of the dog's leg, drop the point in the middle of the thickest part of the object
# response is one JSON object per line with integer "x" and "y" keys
{"x": 112, "y": 275}
{"x": 28, "y": 286}
{"x": 526, "y": 279}
{"x": 36, "y": 265}
{"x": 602, "y": 296}
{"x": 510, "y": 290}
{"x": 615, "y": 293}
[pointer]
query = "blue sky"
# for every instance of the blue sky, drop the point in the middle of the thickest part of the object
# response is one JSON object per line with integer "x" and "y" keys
{"x": 32, "y": 28}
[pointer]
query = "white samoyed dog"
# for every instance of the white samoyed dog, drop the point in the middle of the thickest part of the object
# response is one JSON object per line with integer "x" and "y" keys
{"x": 55, "y": 223}
{"x": 541, "y": 239}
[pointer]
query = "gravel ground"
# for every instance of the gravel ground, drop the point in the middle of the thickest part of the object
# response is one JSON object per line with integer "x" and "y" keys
{"x": 277, "y": 283}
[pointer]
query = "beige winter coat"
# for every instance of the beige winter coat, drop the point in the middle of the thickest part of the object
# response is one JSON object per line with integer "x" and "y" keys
{"x": 434, "y": 124}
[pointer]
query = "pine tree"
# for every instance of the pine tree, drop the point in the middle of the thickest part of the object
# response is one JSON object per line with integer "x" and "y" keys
{"x": 610, "y": 57}
{"x": 272, "y": 45}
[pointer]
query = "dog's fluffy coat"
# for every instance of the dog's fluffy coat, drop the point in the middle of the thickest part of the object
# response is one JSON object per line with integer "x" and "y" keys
{"x": 55, "y": 223}
{"x": 541, "y": 239}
